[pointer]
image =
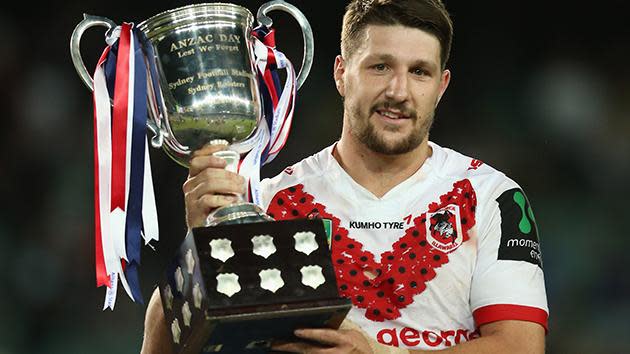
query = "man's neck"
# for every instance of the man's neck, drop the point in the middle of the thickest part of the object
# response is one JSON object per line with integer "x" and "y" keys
{"x": 376, "y": 172}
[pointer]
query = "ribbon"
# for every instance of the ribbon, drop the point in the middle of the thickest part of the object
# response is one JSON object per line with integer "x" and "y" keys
{"x": 124, "y": 196}
{"x": 133, "y": 222}
{"x": 278, "y": 106}
{"x": 149, "y": 211}
{"x": 102, "y": 129}
{"x": 103, "y": 167}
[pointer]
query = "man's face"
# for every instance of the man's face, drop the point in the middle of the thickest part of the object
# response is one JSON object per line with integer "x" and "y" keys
{"x": 391, "y": 85}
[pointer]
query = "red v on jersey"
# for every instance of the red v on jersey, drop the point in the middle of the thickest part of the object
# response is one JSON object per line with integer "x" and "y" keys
{"x": 384, "y": 288}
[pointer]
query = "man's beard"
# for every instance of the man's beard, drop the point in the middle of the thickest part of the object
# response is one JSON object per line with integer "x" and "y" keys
{"x": 365, "y": 131}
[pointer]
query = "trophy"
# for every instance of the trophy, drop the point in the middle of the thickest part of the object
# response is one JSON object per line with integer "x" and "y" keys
{"x": 206, "y": 90}
{"x": 207, "y": 77}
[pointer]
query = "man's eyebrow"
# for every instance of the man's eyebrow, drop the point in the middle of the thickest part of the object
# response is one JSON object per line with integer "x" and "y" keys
{"x": 417, "y": 63}
{"x": 421, "y": 63}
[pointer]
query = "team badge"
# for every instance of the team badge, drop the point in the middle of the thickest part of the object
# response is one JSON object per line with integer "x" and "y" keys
{"x": 444, "y": 229}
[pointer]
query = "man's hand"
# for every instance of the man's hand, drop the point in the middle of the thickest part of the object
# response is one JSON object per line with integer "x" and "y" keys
{"x": 209, "y": 185}
{"x": 332, "y": 342}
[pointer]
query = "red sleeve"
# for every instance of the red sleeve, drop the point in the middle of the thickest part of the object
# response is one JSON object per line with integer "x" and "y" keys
{"x": 493, "y": 313}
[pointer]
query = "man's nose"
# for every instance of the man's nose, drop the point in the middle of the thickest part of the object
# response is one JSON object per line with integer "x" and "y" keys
{"x": 398, "y": 87}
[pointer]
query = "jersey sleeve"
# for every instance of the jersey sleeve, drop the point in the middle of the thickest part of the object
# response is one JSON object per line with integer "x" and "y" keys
{"x": 508, "y": 281}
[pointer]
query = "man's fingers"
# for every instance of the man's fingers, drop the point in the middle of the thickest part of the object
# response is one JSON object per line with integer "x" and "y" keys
{"x": 329, "y": 339}
{"x": 218, "y": 180}
{"x": 325, "y": 341}
{"x": 211, "y": 202}
{"x": 202, "y": 162}
{"x": 301, "y": 347}
{"x": 209, "y": 150}
{"x": 214, "y": 188}
{"x": 202, "y": 159}
{"x": 197, "y": 211}
{"x": 209, "y": 188}
{"x": 222, "y": 186}
{"x": 321, "y": 335}
{"x": 288, "y": 347}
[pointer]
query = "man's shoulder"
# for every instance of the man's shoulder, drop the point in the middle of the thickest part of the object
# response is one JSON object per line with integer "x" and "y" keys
{"x": 483, "y": 176}
{"x": 313, "y": 166}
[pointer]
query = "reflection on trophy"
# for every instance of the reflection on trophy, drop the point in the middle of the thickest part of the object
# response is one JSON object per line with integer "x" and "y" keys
{"x": 207, "y": 76}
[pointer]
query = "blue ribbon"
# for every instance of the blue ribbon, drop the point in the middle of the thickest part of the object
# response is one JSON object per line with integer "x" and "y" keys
{"x": 133, "y": 224}
{"x": 260, "y": 32}
{"x": 110, "y": 69}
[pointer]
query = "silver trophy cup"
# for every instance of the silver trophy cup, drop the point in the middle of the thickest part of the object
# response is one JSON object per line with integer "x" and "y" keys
{"x": 205, "y": 87}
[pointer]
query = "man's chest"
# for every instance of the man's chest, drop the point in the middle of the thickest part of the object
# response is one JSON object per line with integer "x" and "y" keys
{"x": 393, "y": 256}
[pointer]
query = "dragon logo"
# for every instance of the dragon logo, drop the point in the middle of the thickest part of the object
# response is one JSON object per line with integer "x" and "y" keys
{"x": 444, "y": 229}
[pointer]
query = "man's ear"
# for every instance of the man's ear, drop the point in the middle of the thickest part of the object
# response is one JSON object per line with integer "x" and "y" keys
{"x": 338, "y": 71}
{"x": 444, "y": 81}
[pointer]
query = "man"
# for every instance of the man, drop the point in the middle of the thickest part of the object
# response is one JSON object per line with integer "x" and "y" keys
{"x": 436, "y": 250}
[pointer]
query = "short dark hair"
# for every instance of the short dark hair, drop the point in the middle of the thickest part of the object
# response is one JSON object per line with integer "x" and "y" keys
{"x": 428, "y": 15}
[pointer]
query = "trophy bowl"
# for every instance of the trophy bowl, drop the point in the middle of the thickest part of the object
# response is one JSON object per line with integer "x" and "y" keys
{"x": 206, "y": 77}
{"x": 202, "y": 83}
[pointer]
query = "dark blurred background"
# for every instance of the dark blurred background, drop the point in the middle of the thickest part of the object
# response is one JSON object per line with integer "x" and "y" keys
{"x": 540, "y": 90}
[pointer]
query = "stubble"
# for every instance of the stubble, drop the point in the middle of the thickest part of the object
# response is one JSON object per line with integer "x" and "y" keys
{"x": 365, "y": 131}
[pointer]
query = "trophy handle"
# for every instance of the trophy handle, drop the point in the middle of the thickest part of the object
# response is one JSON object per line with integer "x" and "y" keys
{"x": 75, "y": 52}
{"x": 307, "y": 32}
{"x": 75, "y": 40}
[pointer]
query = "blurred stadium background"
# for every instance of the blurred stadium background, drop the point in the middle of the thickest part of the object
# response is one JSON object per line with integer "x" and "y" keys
{"x": 540, "y": 90}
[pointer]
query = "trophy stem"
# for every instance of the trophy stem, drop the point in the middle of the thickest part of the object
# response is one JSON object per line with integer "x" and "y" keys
{"x": 232, "y": 159}
{"x": 241, "y": 212}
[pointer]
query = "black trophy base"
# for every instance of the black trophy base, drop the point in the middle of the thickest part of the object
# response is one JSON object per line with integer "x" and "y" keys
{"x": 205, "y": 314}
{"x": 255, "y": 332}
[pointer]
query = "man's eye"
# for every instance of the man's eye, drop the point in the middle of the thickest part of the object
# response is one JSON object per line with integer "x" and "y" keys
{"x": 420, "y": 72}
{"x": 380, "y": 67}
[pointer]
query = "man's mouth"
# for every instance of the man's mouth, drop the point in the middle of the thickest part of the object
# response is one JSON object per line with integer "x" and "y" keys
{"x": 392, "y": 113}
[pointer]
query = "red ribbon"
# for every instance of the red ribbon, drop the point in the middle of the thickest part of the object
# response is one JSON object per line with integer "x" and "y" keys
{"x": 270, "y": 41}
{"x": 119, "y": 120}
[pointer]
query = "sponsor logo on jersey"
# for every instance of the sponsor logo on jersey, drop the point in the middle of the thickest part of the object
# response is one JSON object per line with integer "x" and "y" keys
{"x": 444, "y": 231}
{"x": 519, "y": 235}
{"x": 288, "y": 170}
{"x": 411, "y": 337}
{"x": 475, "y": 164}
{"x": 376, "y": 225}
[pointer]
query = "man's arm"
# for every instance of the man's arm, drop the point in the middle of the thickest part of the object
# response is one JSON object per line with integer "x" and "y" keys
{"x": 156, "y": 335}
{"x": 497, "y": 337}
{"x": 208, "y": 187}
{"x": 503, "y": 337}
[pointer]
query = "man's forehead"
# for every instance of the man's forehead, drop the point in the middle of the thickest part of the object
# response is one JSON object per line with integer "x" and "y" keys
{"x": 413, "y": 43}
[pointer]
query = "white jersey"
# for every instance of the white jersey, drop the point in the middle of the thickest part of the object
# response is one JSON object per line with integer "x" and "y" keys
{"x": 451, "y": 248}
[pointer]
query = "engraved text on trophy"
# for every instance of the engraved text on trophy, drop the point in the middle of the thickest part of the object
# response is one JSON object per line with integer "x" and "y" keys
{"x": 212, "y": 90}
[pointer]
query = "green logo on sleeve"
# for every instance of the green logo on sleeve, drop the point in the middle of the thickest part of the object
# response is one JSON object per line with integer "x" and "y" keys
{"x": 524, "y": 225}
{"x": 519, "y": 236}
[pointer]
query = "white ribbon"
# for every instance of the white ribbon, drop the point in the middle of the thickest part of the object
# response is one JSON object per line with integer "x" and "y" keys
{"x": 149, "y": 210}
{"x": 281, "y": 123}
{"x": 104, "y": 140}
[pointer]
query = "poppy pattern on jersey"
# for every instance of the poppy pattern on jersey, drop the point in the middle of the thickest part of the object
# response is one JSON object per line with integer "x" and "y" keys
{"x": 382, "y": 288}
